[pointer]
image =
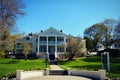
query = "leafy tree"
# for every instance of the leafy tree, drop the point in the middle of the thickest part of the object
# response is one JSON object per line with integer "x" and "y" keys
{"x": 101, "y": 32}
{"x": 110, "y": 33}
{"x": 26, "y": 49}
{"x": 2, "y": 54}
{"x": 117, "y": 30}
{"x": 75, "y": 46}
{"x": 12, "y": 41}
{"x": 95, "y": 33}
{"x": 89, "y": 43}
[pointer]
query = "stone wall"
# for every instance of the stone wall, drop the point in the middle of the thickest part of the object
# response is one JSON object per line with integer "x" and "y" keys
{"x": 20, "y": 75}
{"x": 98, "y": 75}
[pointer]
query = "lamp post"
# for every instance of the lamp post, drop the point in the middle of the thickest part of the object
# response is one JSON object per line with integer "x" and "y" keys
{"x": 107, "y": 52}
{"x": 46, "y": 60}
{"x": 105, "y": 58}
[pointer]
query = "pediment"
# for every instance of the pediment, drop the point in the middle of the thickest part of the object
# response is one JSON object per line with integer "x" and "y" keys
{"x": 52, "y": 31}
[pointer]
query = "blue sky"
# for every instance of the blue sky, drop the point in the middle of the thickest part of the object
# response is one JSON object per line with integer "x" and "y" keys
{"x": 72, "y": 16}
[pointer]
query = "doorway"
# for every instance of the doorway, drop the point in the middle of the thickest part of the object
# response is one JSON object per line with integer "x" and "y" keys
{"x": 52, "y": 52}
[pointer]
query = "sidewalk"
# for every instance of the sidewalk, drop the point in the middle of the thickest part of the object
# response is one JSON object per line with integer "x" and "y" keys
{"x": 55, "y": 67}
{"x": 58, "y": 78}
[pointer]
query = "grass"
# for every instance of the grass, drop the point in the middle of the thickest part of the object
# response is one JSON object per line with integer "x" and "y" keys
{"x": 92, "y": 63}
{"x": 11, "y": 65}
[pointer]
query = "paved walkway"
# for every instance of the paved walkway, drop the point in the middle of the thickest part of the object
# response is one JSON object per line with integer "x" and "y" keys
{"x": 55, "y": 67}
{"x": 58, "y": 78}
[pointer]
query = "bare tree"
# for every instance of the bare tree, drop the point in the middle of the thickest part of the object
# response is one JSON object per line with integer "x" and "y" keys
{"x": 74, "y": 46}
{"x": 10, "y": 11}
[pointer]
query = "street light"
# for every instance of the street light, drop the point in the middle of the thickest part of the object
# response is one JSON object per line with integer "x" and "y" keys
{"x": 47, "y": 59}
{"x": 105, "y": 60}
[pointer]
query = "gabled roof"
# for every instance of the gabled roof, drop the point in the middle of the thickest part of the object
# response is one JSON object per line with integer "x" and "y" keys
{"x": 52, "y": 31}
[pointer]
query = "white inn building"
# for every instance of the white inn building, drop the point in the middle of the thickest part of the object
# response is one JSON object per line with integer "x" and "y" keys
{"x": 50, "y": 42}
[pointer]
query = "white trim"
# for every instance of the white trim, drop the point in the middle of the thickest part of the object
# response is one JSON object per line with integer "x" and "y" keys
{"x": 38, "y": 44}
{"x": 64, "y": 43}
{"x": 47, "y": 45}
{"x": 55, "y": 47}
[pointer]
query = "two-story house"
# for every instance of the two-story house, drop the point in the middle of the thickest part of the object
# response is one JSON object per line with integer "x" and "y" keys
{"x": 50, "y": 42}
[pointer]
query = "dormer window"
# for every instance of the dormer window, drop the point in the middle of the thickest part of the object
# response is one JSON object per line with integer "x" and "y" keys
{"x": 115, "y": 45}
{"x": 51, "y": 32}
{"x": 61, "y": 31}
{"x": 41, "y": 31}
{"x": 27, "y": 38}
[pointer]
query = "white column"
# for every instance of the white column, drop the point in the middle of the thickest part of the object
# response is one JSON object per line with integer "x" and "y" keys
{"x": 38, "y": 44}
{"x": 47, "y": 48}
{"x": 55, "y": 46}
{"x": 65, "y": 43}
{"x": 47, "y": 45}
{"x": 33, "y": 45}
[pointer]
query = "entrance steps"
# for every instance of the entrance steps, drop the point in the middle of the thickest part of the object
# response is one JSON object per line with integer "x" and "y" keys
{"x": 53, "y": 62}
{"x": 58, "y": 72}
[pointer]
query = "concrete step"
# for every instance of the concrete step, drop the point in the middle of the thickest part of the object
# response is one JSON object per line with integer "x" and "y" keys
{"x": 53, "y": 62}
{"x": 58, "y": 72}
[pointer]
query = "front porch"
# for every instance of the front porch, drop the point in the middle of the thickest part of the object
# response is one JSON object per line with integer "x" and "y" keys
{"x": 51, "y": 51}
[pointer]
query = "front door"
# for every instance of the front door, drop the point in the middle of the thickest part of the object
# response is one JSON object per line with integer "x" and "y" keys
{"x": 51, "y": 52}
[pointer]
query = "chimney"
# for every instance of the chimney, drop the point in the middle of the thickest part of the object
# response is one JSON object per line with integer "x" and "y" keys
{"x": 61, "y": 31}
{"x": 41, "y": 31}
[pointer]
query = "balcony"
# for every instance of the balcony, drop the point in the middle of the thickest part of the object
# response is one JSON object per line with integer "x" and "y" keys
{"x": 60, "y": 42}
{"x": 43, "y": 42}
{"x": 19, "y": 47}
{"x": 51, "y": 42}
{"x": 24, "y": 40}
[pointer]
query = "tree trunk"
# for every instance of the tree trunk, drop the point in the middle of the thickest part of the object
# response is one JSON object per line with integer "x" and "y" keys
{"x": 71, "y": 56}
{"x": 25, "y": 57}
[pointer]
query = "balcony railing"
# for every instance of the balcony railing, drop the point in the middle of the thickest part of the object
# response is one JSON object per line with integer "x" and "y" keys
{"x": 60, "y": 42}
{"x": 51, "y": 42}
{"x": 19, "y": 47}
{"x": 43, "y": 42}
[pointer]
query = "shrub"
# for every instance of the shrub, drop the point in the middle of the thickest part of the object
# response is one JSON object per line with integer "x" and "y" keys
{"x": 2, "y": 53}
{"x": 112, "y": 52}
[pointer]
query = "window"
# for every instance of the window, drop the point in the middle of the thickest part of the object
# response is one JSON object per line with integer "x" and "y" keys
{"x": 27, "y": 38}
{"x": 36, "y": 49}
{"x": 36, "y": 40}
{"x": 119, "y": 45}
{"x": 51, "y": 32}
{"x": 115, "y": 45}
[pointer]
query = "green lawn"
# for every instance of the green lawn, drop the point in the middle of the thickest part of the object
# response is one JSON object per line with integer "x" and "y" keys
{"x": 11, "y": 65}
{"x": 92, "y": 63}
